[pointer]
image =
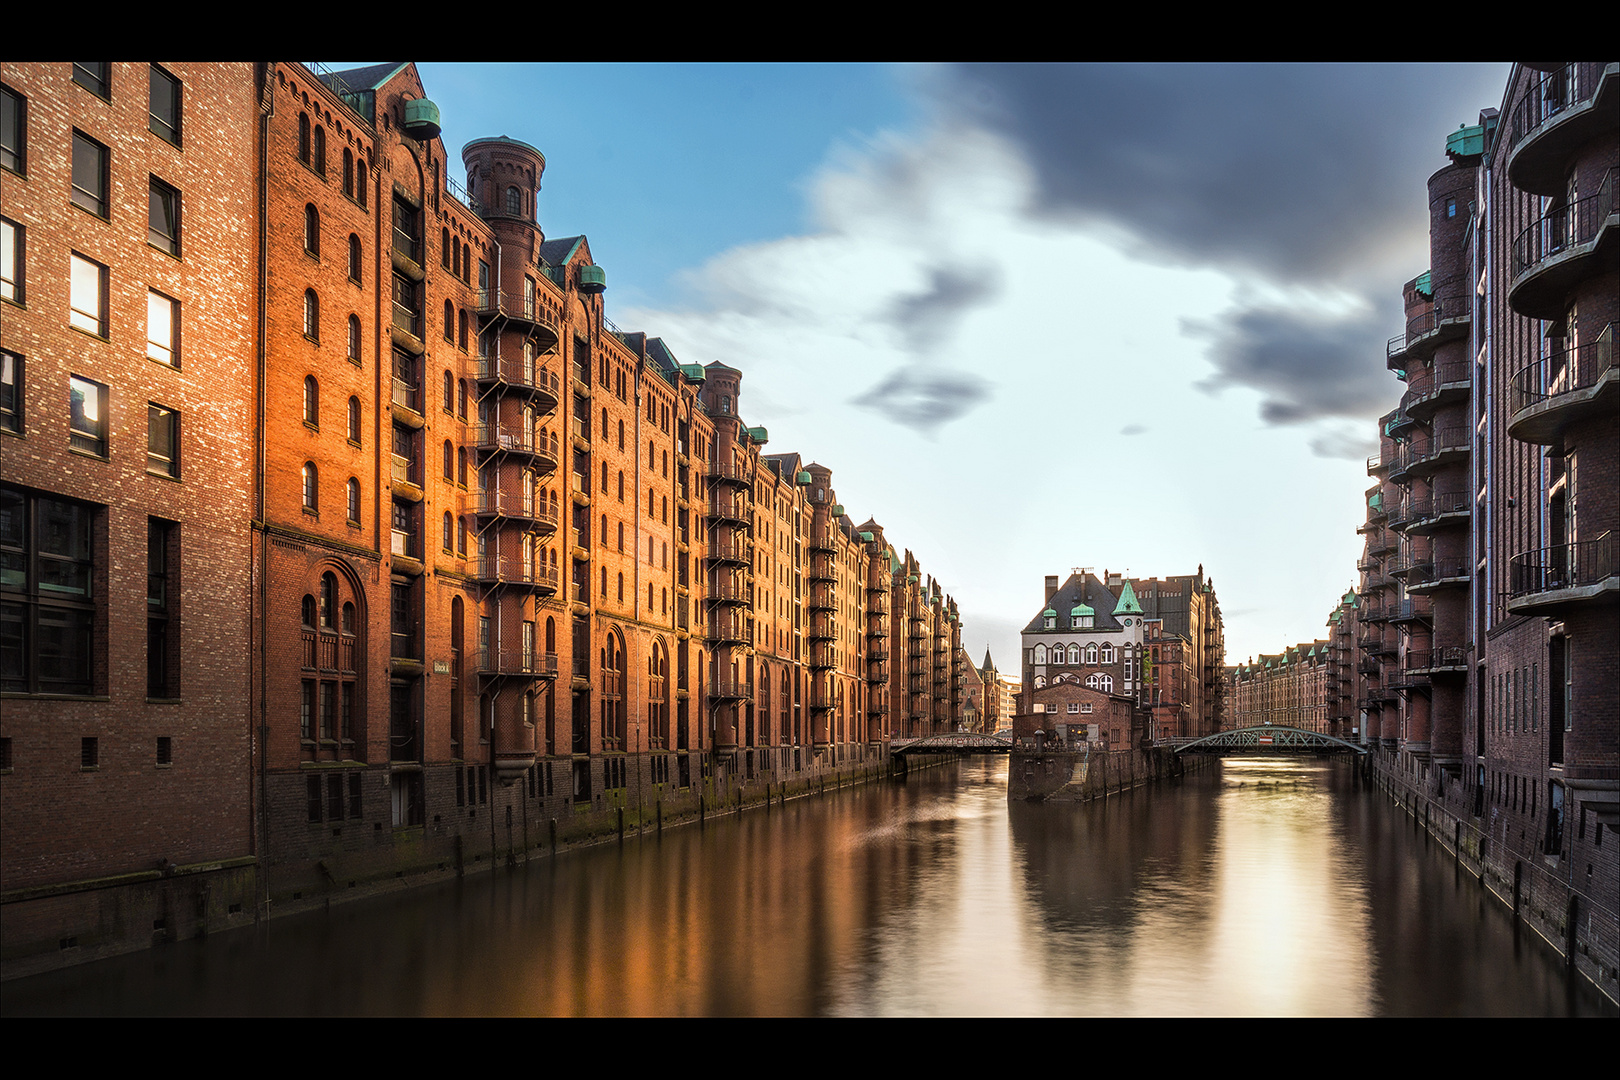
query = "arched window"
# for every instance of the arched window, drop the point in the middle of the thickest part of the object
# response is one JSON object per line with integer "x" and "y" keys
{"x": 449, "y": 465}
{"x": 461, "y": 465}
{"x": 1091, "y": 654}
{"x": 604, "y": 583}
{"x": 444, "y": 247}
{"x": 461, "y": 331}
{"x": 312, "y": 229}
{"x": 311, "y": 487}
{"x": 604, "y": 537}
{"x": 354, "y": 258}
{"x": 449, "y": 321}
{"x": 328, "y": 606}
{"x": 303, "y": 138}
{"x": 1107, "y": 655}
{"x": 347, "y": 625}
{"x": 312, "y": 401}
{"x": 514, "y": 202}
{"x": 621, "y": 434}
{"x": 319, "y": 150}
{"x": 1074, "y": 654}
{"x": 354, "y": 420}
{"x": 621, "y": 485}
{"x": 449, "y": 392}
{"x": 1040, "y": 681}
{"x": 348, "y": 172}
{"x": 461, "y": 537}
{"x": 461, "y": 390}
{"x": 306, "y": 613}
{"x": 354, "y": 501}
{"x": 621, "y": 588}
{"x": 1040, "y": 654}
{"x": 312, "y": 315}
{"x": 361, "y": 179}
{"x": 449, "y": 533}
{"x": 621, "y": 545}
{"x": 455, "y": 253}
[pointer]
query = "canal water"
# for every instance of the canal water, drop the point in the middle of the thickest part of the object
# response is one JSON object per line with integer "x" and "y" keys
{"x": 1257, "y": 888}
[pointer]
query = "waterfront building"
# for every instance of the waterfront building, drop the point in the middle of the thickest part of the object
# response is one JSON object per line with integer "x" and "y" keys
{"x": 127, "y": 344}
{"x": 1488, "y": 618}
{"x": 1086, "y": 636}
{"x": 441, "y": 566}
{"x": 1188, "y": 610}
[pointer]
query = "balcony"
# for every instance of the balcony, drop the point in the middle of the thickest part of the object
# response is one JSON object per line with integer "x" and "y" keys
{"x": 1451, "y": 660}
{"x": 522, "y": 376}
{"x": 1445, "y": 447}
{"x": 511, "y": 570}
{"x": 511, "y": 438}
{"x": 729, "y": 593}
{"x": 731, "y": 689}
{"x": 517, "y": 662}
{"x": 1439, "y": 510}
{"x": 406, "y": 476}
{"x": 822, "y": 628}
{"x": 1575, "y": 385}
{"x": 526, "y": 311}
{"x": 1566, "y": 107}
{"x": 1409, "y": 611}
{"x": 730, "y": 472}
{"x": 1378, "y": 464}
{"x": 1565, "y": 578}
{"x": 517, "y": 507}
{"x": 730, "y": 631}
{"x": 733, "y": 549}
{"x": 822, "y": 657}
{"x": 1570, "y": 243}
{"x": 1446, "y": 319}
{"x": 824, "y": 540}
{"x": 1438, "y": 386}
{"x": 407, "y": 402}
{"x": 730, "y": 509}
{"x": 1430, "y": 577}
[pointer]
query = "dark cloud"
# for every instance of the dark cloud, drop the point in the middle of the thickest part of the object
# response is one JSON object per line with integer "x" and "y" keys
{"x": 923, "y": 398}
{"x": 928, "y": 317}
{"x": 1356, "y": 445}
{"x": 1132, "y": 429}
{"x": 1307, "y": 366}
{"x": 1294, "y": 171}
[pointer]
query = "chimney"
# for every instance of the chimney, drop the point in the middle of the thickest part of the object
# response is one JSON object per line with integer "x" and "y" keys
{"x": 1051, "y": 587}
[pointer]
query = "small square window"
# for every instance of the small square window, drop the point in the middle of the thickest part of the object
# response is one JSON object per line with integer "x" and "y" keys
{"x": 162, "y": 329}
{"x": 162, "y": 440}
{"x": 11, "y": 392}
{"x": 94, "y": 77}
{"x": 13, "y": 261}
{"x": 89, "y": 174}
{"x": 163, "y": 217}
{"x": 88, "y": 296}
{"x": 13, "y": 131}
{"x": 165, "y": 105}
{"x": 87, "y": 413}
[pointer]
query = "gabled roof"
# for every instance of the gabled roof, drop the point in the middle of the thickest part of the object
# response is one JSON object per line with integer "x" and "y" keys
{"x": 1080, "y": 590}
{"x": 557, "y": 252}
{"x": 371, "y": 76}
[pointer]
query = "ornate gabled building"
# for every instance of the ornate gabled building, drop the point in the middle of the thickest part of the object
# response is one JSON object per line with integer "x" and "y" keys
{"x": 1086, "y": 635}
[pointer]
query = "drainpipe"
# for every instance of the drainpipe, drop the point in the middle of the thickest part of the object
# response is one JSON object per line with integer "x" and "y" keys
{"x": 257, "y": 748}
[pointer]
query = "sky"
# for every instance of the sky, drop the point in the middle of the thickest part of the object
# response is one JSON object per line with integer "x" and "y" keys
{"x": 1032, "y": 317}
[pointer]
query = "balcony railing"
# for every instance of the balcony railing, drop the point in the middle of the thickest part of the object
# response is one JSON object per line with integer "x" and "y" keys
{"x": 1570, "y": 376}
{"x": 1450, "y": 657}
{"x": 510, "y": 504}
{"x": 1565, "y": 91}
{"x": 1587, "y": 564}
{"x": 514, "y": 306}
{"x": 517, "y": 371}
{"x": 405, "y": 471}
{"x": 512, "y": 570}
{"x": 729, "y": 689}
{"x": 407, "y": 395}
{"x": 328, "y": 651}
{"x": 494, "y": 661}
{"x": 513, "y": 438}
{"x": 1562, "y": 231}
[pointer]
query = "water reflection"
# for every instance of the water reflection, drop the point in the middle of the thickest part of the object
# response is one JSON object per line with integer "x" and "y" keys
{"x": 1259, "y": 888}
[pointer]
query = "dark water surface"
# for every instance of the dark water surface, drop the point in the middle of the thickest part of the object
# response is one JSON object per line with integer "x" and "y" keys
{"x": 1259, "y": 888}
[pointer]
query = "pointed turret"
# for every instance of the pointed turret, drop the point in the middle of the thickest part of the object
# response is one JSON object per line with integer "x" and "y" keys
{"x": 1127, "y": 600}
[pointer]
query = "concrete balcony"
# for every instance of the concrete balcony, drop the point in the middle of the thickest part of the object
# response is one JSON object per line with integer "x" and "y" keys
{"x": 1566, "y": 108}
{"x": 1438, "y": 511}
{"x": 1428, "y": 577}
{"x": 502, "y": 570}
{"x": 1433, "y": 388}
{"x": 526, "y": 313}
{"x": 1565, "y": 578}
{"x": 516, "y": 663}
{"x": 526, "y": 510}
{"x": 1450, "y": 446}
{"x": 1575, "y": 385}
{"x": 1571, "y": 243}
{"x": 512, "y": 374}
{"x": 1451, "y": 661}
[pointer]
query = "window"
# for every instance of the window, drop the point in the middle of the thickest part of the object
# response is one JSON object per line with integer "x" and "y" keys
{"x": 303, "y": 138}
{"x": 354, "y": 420}
{"x": 312, "y": 488}
{"x": 449, "y": 322}
{"x": 354, "y": 258}
{"x": 13, "y": 252}
{"x": 407, "y": 305}
{"x": 348, "y": 172}
{"x": 312, "y": 315}
{"x": 448, "y": 534}
{"x": 13, "y": 131}
{"x": 87, "y": 412}
{"x": 165, "y": 749}
{"x": 95, "y": 78}
{"x": 88, "y": 296}
{"x": 162, "y": 329}
{"x": 162, "y": 440}
{"x": 354, "y": 339}
{"x": 165, "y": 105}
{"x": 354, "y": 501}
{"x": 89, "y": 174}
{"x": 449, "y": 465}
{"x": 407, "y": 233}
{"x": 47, "y": 616}
{"x": 163, "y": 217}
{"x": 312, "y": 401}
{"x": 11, "y": 392}
{"x": 514, "y": 202}
{"x": 312, "y": 230}
{"x": 318, "y": 153}
{"x": 162, "y": 658}
{"x": 89, "y": 752}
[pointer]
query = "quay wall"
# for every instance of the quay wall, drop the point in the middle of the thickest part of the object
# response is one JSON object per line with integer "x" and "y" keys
{"x": 1538, "y": 889}
{"x": 1079, "y": 776}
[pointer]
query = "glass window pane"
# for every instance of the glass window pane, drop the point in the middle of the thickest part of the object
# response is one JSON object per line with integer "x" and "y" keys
{"x": 85, "y": 287}
{"x": 160, "y": 328}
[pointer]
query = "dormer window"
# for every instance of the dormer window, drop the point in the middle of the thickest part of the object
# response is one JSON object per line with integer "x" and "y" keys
{"x": 1051, "y": 622}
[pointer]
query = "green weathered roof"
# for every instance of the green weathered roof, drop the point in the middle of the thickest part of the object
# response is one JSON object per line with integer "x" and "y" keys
{"x": 1424, "y": 284}
{"x": 1127, "y": 601}
{"x": 1082, "y": 609}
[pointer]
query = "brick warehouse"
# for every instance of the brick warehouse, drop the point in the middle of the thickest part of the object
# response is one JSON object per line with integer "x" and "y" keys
{"x": 1489, "y": 615}
{"x": 473, "y": 571}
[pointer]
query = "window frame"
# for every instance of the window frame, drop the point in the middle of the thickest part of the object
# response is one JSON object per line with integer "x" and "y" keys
{"x": 312, "y": 230}
{"x": 33, "y": 599}
{"x": 13, "y": 261}
{"x": 162, "y": 128}
{"x": 11, "y": 391}
{"x": 13, "y": 131}
{"x": 95, "y": 202}
{"x": 159, "y": 417}
{"x": 310, "y": 478}
{"x": 79, "y": 318}
{"x": 166, "y": 197}
{"x": 97, "y": 82}
{"x": 91, "y": 438}
{"x": 354, "y": 420}
{"x": 356, "y": 267}
{"x": 312, "y": 402}
{"x": 156, "y": 301}
{"x": 312, "y": 316}
{"x": 353, "y": 501}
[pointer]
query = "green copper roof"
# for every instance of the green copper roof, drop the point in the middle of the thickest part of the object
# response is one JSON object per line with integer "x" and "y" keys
{"x": 804, "y": 476}
{"x": 1049, "y": 613}
{"x": 1082, "y": 609}
{"x": 1424, "y": 284}
{"x": 837, "y": 509}
{"x": 868, "y": 537}
{"x": 694, "y": 372}
{"x": 1127, "y": 601}
{"x": 1467, "y": 141}
{"x": 759, "y": 435}
{"x": 592, "y": 279}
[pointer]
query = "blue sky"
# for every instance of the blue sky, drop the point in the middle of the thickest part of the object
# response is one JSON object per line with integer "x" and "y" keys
{"x": 1032, "y": 317}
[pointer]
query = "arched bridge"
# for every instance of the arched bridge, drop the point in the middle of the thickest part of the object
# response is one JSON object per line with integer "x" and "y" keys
{"x": 957, "y": 742}
{"x": 1269, "y": 739}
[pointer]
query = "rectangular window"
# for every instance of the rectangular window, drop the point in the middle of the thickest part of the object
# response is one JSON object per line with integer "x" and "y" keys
{"x": 165, "y": 750}
{"x": 89, "y": 174}
{"x": 13, "y": 131}
{"x": 87, "y": 416}
{"x": 47, "y": 614}
{"x": 94, "y": 77}
{"x": 306, "y": 711}
{"x": 407, "y": 230}
{"x": 163, "y": 217}
{"x": 162, "y": 657}
{"x": 407, "y": 305}
{"x": 162, "y": 329}
{"x": 165, "y": 105}
{"x": 162, "y": 440}
{"x": 89, "y": 752}
{"x": 87, "y": 296}
{"x": 11, "y": 392}
{"x": 13, "y": 260}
